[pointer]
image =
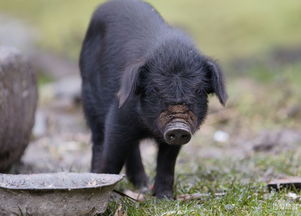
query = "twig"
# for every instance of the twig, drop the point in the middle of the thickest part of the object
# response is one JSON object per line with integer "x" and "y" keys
{"x": 125, "y": 195}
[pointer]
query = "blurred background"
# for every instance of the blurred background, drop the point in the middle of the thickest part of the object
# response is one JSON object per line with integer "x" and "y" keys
{"x": 258, "y": 43}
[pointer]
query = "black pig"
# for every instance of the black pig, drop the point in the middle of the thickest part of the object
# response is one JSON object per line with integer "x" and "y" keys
{"x": 142, "y": 78}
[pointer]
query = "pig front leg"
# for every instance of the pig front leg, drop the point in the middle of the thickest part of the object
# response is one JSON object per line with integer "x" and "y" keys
{"x": 97, "y": 139}
{"x": 120, "y": 138}
{"x": 166, "y": 162}
{"x": 115, "y": 152}
{"x": 135, "y": 170}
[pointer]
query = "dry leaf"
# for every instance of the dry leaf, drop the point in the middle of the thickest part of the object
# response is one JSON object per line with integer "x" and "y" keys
{"x": 120, "y": 211}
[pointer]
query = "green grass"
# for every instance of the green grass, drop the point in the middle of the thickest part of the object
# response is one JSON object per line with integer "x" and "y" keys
{"x": 221, "y": 29}
{"x": 246, "y": 191}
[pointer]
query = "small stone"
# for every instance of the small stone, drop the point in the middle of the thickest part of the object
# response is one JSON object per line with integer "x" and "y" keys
{"x": 221, "y": 136}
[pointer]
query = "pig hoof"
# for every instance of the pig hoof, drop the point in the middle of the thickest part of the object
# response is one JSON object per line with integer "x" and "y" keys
{"x": 139, "y": 181}
{"x": 164, "y": 195}
{"x": 144, "y": 190}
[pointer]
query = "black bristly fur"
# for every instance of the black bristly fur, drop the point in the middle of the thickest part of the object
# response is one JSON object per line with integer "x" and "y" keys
{"x": 133, "y": 66}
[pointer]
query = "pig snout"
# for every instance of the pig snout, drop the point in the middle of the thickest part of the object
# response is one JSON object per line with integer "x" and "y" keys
{"x": 177, "y": 132}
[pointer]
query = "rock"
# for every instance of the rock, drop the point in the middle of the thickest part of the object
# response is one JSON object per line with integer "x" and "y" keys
{"x": 18, "y": 101}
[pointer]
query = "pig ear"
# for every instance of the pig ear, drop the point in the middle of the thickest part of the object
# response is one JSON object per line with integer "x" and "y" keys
{"x": 129, "y": 82}
{"x": 217, "y": 83}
